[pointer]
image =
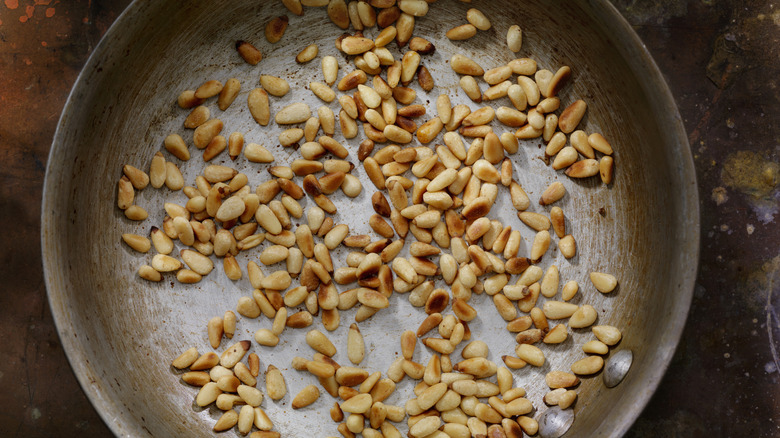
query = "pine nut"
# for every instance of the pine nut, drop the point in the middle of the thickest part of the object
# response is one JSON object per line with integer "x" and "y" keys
{"x": 583, "y": 169}
{"x": 552, "y": 193}
{"x": 585, "y": 316}
{"x": 259, "y": 106}
{"x": 604, "y": 283}
{"x": 607, "y": 334}
{"x": 599, "y": 143}
{"x": 405, "y": 28}
{"x": 606, "y": 169}
{"x": 307, "y": 396}
{"x": 530, "y": 354}
{"x": 293, "y": 113}
{"x": 462, "y": 32}
{"x": 550, "y": 281}
{"x": 557, "y": 335}
{"x": 571, "y": 116}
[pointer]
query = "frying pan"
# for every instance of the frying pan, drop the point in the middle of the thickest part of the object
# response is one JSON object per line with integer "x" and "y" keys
{"x": 121, "y": 332}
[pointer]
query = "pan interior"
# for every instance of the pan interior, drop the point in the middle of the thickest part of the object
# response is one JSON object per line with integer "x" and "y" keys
{"x": 122, "y": 332}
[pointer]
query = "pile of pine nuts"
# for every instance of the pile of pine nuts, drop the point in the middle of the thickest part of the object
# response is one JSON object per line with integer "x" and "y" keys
{"x": 445, "y": 206}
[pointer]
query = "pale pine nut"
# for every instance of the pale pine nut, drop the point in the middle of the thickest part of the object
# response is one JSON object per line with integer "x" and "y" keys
{"x": 604, "y": 283}
{"x": 330, "y": 68}
{"x": 607, "y": 334}
{"x": 530, "y": 354}
{"x": 514, "y": 38}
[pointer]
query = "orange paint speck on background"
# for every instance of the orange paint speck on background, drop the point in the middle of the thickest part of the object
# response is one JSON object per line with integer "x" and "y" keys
{"x": 49, "y": 12}
{"x": 11, "y": 4}
{"x": 44, "y": 44}
{"x": 23, "y": 19}
{"x": 29, "y": 9}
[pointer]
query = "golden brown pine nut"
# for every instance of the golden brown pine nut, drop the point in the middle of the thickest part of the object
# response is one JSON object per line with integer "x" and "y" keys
{"x": 599, "y": 143}
{"x": 462, "y": 32}
{"x": 470, "y": 86}
{"x": 606, "y": 169}
{"x": 259, "y": 106}
{"x": 464, "y": 65}
{"x": 571, "y": 116}
{"x": 248, "y": 52}
{"x": 275, "y": 28}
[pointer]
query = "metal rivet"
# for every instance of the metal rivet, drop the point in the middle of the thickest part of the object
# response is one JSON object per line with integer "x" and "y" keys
{"x": 617, "y": 367}
{"x": 555, "y": 421}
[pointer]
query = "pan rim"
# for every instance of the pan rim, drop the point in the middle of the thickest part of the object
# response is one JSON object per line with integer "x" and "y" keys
{"x": 641, "y": 60}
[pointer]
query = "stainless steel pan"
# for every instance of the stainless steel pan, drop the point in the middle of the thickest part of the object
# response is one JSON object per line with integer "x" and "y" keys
{"x": 121, "y": 333}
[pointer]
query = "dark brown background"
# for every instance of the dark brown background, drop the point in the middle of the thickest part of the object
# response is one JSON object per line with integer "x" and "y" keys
{"x": 722, "y": 62}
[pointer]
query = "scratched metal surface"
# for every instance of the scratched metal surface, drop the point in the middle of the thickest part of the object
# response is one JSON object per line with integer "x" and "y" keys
{"x": 724, "y": 356}
{"x": 123, "y": 107}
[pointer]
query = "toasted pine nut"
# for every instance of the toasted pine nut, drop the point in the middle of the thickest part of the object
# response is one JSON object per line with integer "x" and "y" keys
{"x": 565, "y": 158}
{"x": 228, "y": 419}
{"x": 208, "y": 89}
{"x": 530, "y": 354}
{"x": 607, "y": 334}
{"x": 514, "y": 38}
{"x": 187, "y": 99}
{"x": 266, "y": 337}
{"x": 464, "y": 65}
{"x": 599, "y": 143}
{"x": 275, "y": 28}
{"x": 587, "y": 366}
{"x": 248, "y": 52}
{"x": 330, "y": 69}
{"x": 606, "y": 169}
{"x": 571, "y": 116}
{"x": 585, "y": 316}
{"x": 559, "y": 309}
{"x": 307, "y": 396}
{"x": 428, "y": 131}
{"x": 319, "y": 342}
{"x": 530, "y": 89}
{"x": 293, "y": 113}
{"x": 409, "y": 64}
{"x": 510, "y": 117}
{"x": 335, "y": 236}
{"x": 478, "y": 19}
{"x": 405, "y": 27}
{"x": 557, "y": 335}
{"x": 470, "y": 86}
{"x": 579, "y": 140}
{"x": 462, "y": 32}
{"x": 186, "y": 359}
{"x": 228, "y": 93}
{"x": 197, "y": 117}
{"x": 259, "y": 106}
{"x": 604, "y": 283}
{"x": 583, "y": 169}
{"x": 552, "y": 193}
{"x": 307, "y": 54}
{"x": 595, "y": 347}
{"x": 353, "y": 45}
